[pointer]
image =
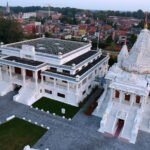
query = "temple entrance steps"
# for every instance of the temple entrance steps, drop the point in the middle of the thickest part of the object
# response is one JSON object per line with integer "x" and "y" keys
{"x": 5, "y": 87}
{"x": 27, "y": 95}
{"x": 130, "y": 115}
{"x": 132, "y": 124}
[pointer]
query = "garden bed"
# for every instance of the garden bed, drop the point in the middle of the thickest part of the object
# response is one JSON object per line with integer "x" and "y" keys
{"x": 17, "y": 133}
{"x": 54, "y": 106}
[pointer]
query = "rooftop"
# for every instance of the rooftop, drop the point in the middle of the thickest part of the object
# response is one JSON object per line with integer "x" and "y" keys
{"x": 23, "y": 61}
{"x": 81, "y": 72}
{"x": 50, "y": 46}
{"x": 80, "y": 58}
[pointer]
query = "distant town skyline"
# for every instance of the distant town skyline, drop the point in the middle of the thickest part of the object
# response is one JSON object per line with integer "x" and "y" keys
{"x": 123, "y": 5}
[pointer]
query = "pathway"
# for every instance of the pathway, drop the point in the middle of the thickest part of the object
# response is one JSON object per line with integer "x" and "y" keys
{"x": 78, "y": 134}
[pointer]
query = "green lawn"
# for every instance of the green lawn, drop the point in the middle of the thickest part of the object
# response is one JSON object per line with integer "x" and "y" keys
{"x": 17, "y": 133}
{"x": 55, "y": 107}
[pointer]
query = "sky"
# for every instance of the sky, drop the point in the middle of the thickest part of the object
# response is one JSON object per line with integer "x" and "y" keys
{"x": 123, "y": 5}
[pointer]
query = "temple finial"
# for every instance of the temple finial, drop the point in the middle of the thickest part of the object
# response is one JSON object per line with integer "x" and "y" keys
{"x": 146, "y": 22}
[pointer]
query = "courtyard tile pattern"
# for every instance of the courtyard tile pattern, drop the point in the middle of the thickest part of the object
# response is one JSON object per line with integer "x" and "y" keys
{"x": 78, "y": 134}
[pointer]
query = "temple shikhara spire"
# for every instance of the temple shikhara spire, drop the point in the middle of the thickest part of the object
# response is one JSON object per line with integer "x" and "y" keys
{"x": 146, "y": 22}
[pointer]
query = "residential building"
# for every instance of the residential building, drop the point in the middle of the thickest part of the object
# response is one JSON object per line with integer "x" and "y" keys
{"x": 32, "y": 27}
{"x": 28, "y": 15}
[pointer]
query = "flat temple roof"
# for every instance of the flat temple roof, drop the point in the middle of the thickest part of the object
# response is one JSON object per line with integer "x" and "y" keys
{"x": 50, "y": 46}
{"x": 23, "y": 61}
{"x": 81, "y": 58}
{"x": 84, "y": 70}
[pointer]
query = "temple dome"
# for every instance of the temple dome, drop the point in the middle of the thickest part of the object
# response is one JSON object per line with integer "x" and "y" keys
{"x": 139, "y": 57}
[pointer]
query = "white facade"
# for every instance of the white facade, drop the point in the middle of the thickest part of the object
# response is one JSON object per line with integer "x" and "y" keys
{"x": 28, "y": 15}
{"x": 125, "y": 107}
{"x": 67, "y": 77}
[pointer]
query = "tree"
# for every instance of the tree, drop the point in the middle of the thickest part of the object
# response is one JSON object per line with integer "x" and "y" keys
{"x": 10, "y": 31}
{"x": 132, "y": 39}
{"x": 112, "y": 60}
{"x": 48, "y": 34}
{"x": 109, "y": 39}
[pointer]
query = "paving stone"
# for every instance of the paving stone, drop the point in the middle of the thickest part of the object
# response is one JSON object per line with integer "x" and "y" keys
{"x": 78, "y": 134}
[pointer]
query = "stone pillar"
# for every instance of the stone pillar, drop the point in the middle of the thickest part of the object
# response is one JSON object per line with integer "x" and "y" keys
{"x": 55, "y": 87}
{"x": 54, "y": 83}
{"x": 142, "y": 102}
{"x": 120, "y": 96}
{"x": 133, "y": 96}
{"x": 111, "y": 94}
{"x": 24, "y": 76}
{"x": 77, "y": 94}
{"x": 42, "y": 82}
{"x": 68, "y": 89}
{"x": 76, "y": 88}
{"x": 0, "y": 73}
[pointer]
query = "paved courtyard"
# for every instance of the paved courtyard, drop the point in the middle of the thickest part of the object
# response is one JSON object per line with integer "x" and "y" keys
{"x": 78, "y": 134}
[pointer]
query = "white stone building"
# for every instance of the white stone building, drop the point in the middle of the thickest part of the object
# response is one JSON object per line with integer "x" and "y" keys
{"x": 61, "y": 70}
{"x": 125, "y": 104}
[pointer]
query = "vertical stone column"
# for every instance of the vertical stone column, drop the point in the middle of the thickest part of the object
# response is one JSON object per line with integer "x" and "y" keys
{"x": 55, "y": 87}
{"x": 0, "y": 73}
{"x": 24, "y": 76}
{"x": 133, "y": 96}
{"x": 68, "y": 88}
{"x": 10, "y": 73}
{"x": 77, "y": 93}
{"x": 54, "y": 83}
{"x": 111, "y": 94}
{"x": 122, "y": 96}
{"x": 36, "y": 78}
{"x": 142, "y": 102}
{"x": 42, "y": 82}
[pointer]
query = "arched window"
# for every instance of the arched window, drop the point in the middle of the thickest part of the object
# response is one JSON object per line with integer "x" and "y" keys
{"x": 117, "y": 94}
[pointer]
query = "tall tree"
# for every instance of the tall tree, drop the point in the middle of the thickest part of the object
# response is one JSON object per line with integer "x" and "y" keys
{"x": 10, "y": 31}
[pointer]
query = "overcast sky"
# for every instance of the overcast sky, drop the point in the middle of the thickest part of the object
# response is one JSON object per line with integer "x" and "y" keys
{"x": 86, "y": 4}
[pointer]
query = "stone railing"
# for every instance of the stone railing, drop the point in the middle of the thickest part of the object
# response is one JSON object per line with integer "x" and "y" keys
{"x": 136, "y": 126}
{"x": 29, "y": 148}
{"x": 101, "y": 99}
{"x": 105, "y": 117}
